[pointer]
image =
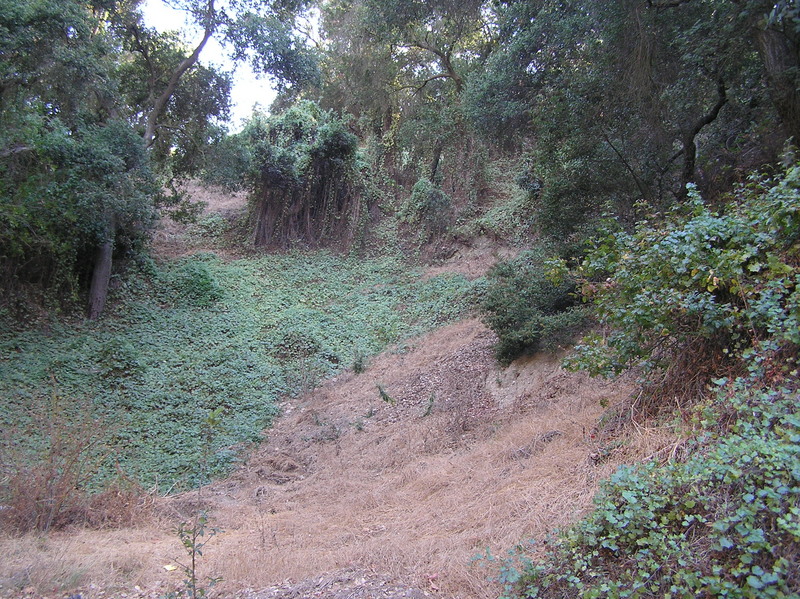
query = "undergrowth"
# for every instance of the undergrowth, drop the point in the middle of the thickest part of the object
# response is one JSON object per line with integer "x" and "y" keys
{"x": 529, "y": 309}
{"x": 199, "y": 337}
{"x": 704, "y": 302}
{"x": 724, "y": 523}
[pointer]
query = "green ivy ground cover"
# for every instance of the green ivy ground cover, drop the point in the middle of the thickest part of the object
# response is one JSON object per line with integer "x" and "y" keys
{"x": 188, "y": 370}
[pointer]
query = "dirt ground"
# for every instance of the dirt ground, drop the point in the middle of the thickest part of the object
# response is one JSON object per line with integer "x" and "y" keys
{"x": 388, "y": 483}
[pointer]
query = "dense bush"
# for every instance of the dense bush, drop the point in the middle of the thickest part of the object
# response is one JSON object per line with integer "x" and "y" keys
{"x": 57, "y": 198}
{"x": 725, "y": 523}
{"x": 698, "y": 292}
{"x": 302, "y": 177}
{"x": 703, "y": 287}
{"x": 428, "y": 206}
{"x": 528, "y": 309}
{"x": 194, "y": 285}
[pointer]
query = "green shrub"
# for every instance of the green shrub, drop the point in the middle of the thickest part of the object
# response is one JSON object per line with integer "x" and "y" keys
{"x": 195, "y": 285}
{"x": 724, "y": 523}
{"x": 700, "y": 287}
{"x": 118, "y": 358}
{"x": 210, "y": 227}
{"x": 429, "y": 206}
{"x": 529, "y": 310}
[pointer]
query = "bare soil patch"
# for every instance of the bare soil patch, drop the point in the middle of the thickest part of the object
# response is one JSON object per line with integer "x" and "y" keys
{"x": 172, "y": 239}
{"x": 472, "y": 259}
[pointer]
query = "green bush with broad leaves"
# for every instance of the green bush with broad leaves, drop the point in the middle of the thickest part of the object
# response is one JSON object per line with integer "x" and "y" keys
{"x": 530, "y": 307}
{"x": 702, "y": 287}
{"x": 724, "y": 523}
{"x": 704, "y": 291}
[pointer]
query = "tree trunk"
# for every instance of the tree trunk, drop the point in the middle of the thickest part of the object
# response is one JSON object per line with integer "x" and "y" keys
{"x": 781, "y": 58}
{"x": 101, "y": 276}
{"x": 187, "y": 63}
{"x": 690, "y": 134}
{"x": 437, "y": 158}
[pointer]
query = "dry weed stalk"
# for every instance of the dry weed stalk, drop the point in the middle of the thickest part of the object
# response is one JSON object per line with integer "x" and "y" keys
{"x": 47, "y": 472}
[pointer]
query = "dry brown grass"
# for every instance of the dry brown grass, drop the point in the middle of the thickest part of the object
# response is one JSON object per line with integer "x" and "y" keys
{"x": 55, "y": 564}
{"x": 172, "y": 240}
{"x": 348, "y": 481}
{"x": 504, "y": 456}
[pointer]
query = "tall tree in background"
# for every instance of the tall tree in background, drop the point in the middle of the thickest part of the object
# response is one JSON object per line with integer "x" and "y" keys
{"x": 400, "y": 68}
{"x": 262, "y": 33}
{"x": 85, "y": 87}
{"x": 627, "y": 102}
{"x": 776, "y": 29}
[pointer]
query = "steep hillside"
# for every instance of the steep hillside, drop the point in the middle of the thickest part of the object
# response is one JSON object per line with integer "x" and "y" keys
{"x": 465, "y": 457}
{"x": 386, "y": 483}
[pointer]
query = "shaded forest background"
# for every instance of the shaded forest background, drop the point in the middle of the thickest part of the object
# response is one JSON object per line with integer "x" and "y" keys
{"x": 399, "y": 109}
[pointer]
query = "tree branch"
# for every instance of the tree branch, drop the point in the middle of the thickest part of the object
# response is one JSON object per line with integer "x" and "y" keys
{"x": 666, "y": 3}
{"x": 15, "y": 150}
{"x": 639, "y": 184}
{"x": 444, "y": 59}
{"x": 419, "y": 88}
{"x": 187, "y": 63}
{"x": 145, "y": 52}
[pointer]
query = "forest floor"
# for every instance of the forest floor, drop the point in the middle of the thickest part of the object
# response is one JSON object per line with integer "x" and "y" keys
{"x": 387, "y": 483}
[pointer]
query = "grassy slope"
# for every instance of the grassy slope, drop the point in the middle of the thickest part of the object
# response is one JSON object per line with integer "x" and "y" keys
{"x": 190, "y": 368}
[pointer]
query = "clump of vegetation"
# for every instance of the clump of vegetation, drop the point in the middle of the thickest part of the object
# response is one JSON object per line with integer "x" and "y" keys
{"x": 724, "y": 523}
{"x": 194, "y": 284}
{"x": 709, "y": 292}
{"x": 531, "y": 308}
{"x": 427, "y": 206}
{"x": 302, "y": 177}
{"x": 704, "y": 287}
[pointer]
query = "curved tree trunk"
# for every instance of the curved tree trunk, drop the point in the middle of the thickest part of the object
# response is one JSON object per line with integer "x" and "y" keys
{"x": 690, "y": 134}
{"x": 187, "y": 63}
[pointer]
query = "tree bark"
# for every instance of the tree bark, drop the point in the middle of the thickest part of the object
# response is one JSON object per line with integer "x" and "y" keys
{"x": 101, "y": 274}
{"x": 781, "y": 59}
{"x": 437, "y": 157}
{"x": 187, "y": 63}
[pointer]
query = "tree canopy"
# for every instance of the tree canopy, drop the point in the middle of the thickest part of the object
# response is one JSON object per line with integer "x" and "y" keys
{"x": 98, "y": 111}
{"x": 603, "y": 108}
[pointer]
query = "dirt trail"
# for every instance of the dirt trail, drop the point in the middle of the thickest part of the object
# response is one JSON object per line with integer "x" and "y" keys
{"x": 385, "y": 483}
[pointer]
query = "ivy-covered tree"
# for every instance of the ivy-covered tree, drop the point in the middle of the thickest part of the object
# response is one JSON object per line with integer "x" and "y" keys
{"x": 399, "y": 68}
{"x": 302, "y": 177}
